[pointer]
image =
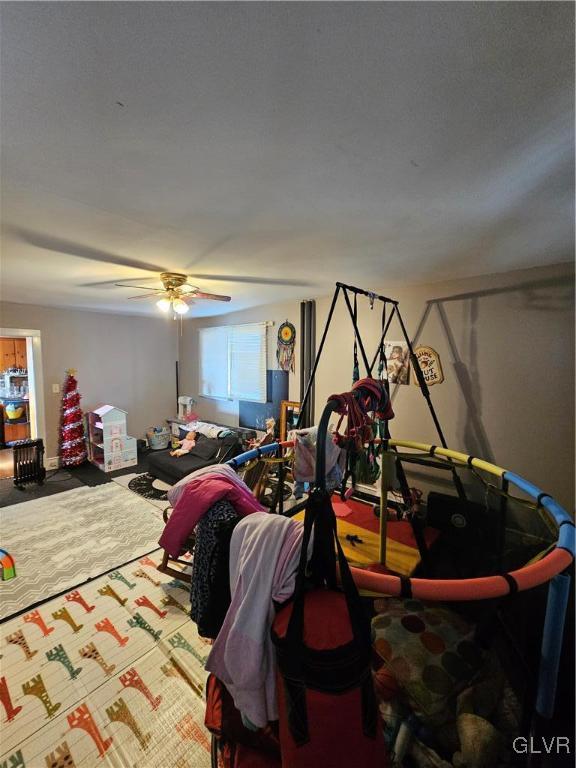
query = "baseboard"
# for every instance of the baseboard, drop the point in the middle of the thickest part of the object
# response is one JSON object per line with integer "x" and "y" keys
{"x": 52, "y": 462}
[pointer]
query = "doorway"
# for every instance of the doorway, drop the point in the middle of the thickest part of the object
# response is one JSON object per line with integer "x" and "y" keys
{"x": 21, "y": 391}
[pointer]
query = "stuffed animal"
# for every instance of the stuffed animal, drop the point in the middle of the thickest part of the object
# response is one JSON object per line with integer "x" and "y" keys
{"x": 186, "y": 445}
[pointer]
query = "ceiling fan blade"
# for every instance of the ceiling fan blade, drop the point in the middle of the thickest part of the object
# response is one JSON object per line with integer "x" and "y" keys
{"x": 202, "y": 295}
{"x": 140, "y": 287}
{"x": 128, "y": 283}
{"x": 145, "y": 295}
{"x": 254, "y": 280}
{"x": 81, "y": 251}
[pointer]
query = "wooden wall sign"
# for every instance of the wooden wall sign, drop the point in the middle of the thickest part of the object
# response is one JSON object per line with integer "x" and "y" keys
{"x": 429, "y": 361}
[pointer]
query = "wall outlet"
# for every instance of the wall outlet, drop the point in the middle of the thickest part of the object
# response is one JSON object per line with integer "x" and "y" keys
{"x": 52, "y": 462}
{"x": 55, "y": 389}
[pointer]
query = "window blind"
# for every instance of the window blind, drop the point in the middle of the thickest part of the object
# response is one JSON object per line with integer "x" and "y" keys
{"x": 214, "y": 362}
{"x": 233, "y": 362}
{"x": 247, "y": 345}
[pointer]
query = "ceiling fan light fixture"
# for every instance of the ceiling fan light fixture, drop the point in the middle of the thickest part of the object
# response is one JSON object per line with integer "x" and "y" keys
{"x": 180, "y": 306}
{"x": 163, "y": 305}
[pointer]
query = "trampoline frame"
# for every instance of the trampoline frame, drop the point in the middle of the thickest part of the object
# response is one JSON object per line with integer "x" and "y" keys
{"x": 485, "y": 587}
{"x": 551, "y": 568}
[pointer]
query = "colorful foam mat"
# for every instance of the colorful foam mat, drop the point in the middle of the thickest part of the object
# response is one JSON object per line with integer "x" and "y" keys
{"x": 110, "y": 674}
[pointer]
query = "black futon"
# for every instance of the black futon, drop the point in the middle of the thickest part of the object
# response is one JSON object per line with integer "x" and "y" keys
{"x": 207, "y": 451}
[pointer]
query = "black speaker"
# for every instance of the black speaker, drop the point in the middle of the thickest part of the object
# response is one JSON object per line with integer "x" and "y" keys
{"x": 469, "y": 533}
{"x": 277, "y": 386}
{"x": 253, "y": 415}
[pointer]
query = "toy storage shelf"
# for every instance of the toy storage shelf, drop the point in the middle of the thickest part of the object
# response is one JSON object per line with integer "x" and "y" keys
{"x": 109, "y": 447}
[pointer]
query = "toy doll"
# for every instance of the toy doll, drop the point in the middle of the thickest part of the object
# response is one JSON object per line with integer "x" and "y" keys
{"x": 270, "y": 426}
{"x": 186, "y": 445}
{"x": 270, "y": 430}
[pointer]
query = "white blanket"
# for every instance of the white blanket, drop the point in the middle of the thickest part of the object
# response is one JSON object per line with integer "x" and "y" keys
{"x": 305, "y": 453}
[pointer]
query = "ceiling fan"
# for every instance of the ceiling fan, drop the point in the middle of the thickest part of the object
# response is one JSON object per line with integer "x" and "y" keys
{"x": 176, "y": 293}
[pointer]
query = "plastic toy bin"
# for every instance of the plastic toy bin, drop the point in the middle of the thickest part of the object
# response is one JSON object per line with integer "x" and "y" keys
{"x": 158, "y": 438}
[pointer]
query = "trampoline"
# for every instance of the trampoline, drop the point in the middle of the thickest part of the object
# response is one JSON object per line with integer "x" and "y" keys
{"x": 483, "y": 588}
{"x": 552, "y": 567}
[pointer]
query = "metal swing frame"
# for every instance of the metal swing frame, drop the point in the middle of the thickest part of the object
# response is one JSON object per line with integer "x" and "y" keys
{"x": 346, "y": 291}
{"x": 373, "y": 297}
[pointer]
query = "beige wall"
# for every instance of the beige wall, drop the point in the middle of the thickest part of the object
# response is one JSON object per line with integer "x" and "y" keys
{"x": 126, "y": 361}
{"x": 226, "y": 411}
{"x": 507, "y": 350}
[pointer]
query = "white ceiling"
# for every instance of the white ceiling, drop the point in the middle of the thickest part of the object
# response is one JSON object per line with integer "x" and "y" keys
{"x": 296, "y": 143}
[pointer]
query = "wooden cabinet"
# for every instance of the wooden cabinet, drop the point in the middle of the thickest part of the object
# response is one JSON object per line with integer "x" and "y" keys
{"x": 12, "y": 388}
{"x": 16, "y": 431}
{"x": 7, "y": 354}
{"x": 20, "y": 353}
{"x": 12, "y": 353}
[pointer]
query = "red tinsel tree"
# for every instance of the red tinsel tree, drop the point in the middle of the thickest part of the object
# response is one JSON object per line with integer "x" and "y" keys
{"x": 72, "y": 444}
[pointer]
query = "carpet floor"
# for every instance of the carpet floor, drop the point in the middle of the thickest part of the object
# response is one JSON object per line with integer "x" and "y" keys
{"x": 55, "y": 483}
{"x": 66, "y": 479}
{"x": 111, "y": 674}
{"x": 89, "y": 474}
{"x": 66, "y": 539}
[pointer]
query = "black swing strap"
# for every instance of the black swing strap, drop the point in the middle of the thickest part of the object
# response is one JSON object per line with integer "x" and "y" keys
{"x": 350, "y": 665}
{"x": 355, "y": 365}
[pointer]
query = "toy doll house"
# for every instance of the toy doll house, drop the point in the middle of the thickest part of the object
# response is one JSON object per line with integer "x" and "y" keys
{"x": 109, "y": 447}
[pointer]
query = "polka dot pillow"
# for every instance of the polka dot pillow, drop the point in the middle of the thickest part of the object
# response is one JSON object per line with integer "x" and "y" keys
{"x": 430, "y": 652}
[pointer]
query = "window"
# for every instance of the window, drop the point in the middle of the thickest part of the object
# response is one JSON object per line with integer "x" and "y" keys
{"x": 233, "y": 362}
{"x": 214, "y": 362}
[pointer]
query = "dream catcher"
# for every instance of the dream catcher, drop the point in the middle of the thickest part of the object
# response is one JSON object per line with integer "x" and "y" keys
{"x": 285, "y": 351}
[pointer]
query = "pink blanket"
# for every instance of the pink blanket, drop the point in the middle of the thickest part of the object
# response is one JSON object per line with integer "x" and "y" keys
{"x": 198, "y": 495}
{"x": 212, "y": 469}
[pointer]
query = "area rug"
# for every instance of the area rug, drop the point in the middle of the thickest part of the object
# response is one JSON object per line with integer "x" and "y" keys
{"x": 148, "y": 487}
{"x": 154, "y": 490}
{"x": 111, "y": 674}
{"x": 271, "y": 491}
{"x": 61, "y": 541}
